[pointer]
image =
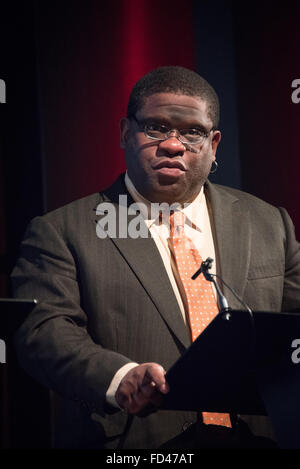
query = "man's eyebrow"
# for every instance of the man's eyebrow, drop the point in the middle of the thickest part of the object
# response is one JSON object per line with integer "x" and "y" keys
{"x": 168, "y": 122}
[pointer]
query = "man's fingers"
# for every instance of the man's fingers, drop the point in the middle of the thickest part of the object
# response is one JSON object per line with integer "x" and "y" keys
{"x": 136, "y": 402}
{"x": 141, "y": 387}
{"x": 148, "y": 389}
{"x": 155, "y": 377}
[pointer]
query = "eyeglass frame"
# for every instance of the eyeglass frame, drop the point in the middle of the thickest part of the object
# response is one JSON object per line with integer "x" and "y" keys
{"x": 143, "y": 127}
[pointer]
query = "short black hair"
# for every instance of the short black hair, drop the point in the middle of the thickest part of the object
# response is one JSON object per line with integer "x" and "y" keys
{"x": 177, "y": 80}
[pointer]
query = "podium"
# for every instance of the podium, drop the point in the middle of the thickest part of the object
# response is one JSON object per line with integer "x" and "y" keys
{"x": 244, "y": 363}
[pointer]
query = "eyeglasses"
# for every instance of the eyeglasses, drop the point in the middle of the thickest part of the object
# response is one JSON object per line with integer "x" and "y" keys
{"x": 161, "y": 132}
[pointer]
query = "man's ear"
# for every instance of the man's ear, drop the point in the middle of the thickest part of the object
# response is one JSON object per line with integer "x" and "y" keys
{"x": 215, "y": 142}
{"x": 124, "y": 132}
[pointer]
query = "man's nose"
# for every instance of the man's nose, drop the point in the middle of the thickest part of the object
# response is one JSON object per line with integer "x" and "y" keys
{"x": 172, "y": 145}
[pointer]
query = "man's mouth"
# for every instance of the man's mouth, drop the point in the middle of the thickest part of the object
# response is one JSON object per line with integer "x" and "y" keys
{"x": 170, "y": 167}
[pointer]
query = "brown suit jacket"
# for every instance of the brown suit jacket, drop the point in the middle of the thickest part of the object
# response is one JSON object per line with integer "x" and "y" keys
{"x": 103, "y": 303}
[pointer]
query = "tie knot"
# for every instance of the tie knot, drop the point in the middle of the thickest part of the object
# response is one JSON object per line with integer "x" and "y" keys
{"x": 177, "y": 220}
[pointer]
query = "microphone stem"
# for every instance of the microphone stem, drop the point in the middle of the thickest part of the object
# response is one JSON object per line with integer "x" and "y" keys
{"x": 223, "y": 304}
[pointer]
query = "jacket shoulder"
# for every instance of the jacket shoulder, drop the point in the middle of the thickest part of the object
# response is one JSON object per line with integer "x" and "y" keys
{"x": 244, "y": 197}
{"x": 82, "y": 205}
{"x": 71, "y": 217}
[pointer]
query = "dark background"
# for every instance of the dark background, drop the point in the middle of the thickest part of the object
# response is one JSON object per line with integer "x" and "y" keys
{"x": 69, "y": 67}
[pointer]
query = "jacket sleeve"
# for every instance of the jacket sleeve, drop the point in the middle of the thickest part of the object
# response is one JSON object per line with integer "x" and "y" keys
{"x": 53, "y": 344}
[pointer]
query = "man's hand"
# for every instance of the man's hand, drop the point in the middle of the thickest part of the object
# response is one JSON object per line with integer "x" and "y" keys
{"x": 142, "y": 387}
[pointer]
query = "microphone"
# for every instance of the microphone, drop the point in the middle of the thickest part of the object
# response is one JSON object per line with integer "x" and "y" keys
{"x": 223, "y": 303}
{"x": 205, "y": 266}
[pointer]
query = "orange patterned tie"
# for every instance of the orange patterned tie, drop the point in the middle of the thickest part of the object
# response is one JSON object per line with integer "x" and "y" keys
{"x": 201, "y": 301}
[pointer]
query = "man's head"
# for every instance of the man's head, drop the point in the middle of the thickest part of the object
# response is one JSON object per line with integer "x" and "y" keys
{"x": 177, "y": 80}
{"x": 170, "y": 166}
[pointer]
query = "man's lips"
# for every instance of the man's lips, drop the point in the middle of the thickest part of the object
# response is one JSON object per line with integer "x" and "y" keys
{"x": 172, "y": 164}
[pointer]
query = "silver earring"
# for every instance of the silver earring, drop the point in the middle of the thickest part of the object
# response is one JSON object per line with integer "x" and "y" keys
{"x": 215, "y": 168}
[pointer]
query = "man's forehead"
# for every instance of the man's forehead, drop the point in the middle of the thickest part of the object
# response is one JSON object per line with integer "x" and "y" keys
{"x": 175, "y": 107}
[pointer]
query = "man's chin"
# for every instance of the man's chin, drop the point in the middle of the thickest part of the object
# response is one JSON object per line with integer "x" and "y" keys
{"x": 172, "y": 193}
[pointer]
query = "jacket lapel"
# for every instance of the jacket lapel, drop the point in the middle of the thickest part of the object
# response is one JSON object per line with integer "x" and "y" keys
{"x": 144, "y": 259}
{"x": 232, "y": 234}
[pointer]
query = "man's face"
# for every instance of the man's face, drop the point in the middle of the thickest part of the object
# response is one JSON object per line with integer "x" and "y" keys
{"x": 168, "y": 171}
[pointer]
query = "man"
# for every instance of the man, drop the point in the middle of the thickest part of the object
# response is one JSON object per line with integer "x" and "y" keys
{"x": 114, "y": 310}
